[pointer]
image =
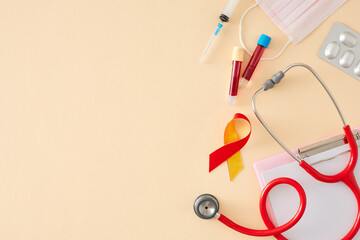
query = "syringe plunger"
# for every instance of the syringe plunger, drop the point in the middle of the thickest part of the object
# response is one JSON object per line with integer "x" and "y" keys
{"x": 228, "y": 11}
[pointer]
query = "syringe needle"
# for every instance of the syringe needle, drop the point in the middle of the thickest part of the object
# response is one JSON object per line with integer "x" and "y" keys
{"x": 224, "y": 17}
{"x": 211, "y": 42}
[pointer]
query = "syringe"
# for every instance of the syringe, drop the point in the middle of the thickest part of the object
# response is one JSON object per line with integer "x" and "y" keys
{"x": 224, "y": 17}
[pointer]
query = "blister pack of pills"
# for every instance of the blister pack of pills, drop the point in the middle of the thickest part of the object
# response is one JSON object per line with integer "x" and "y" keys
{"x": 341, "y": 48}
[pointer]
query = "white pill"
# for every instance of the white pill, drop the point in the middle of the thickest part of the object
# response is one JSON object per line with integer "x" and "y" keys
{"x": 347, "y": 39}
{"x": 332, "y": 50}
{"x": 357, "y": 69}
{"x": 347, "y": 59}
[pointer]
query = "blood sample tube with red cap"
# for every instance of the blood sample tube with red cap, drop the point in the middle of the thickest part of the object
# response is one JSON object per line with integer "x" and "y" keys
{"x": 262, "y": 44}
{"x": 237, "y": 59}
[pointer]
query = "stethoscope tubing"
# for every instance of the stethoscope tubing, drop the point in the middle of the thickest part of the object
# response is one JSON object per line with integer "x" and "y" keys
{"x": 346, "y": 176}
{"x": 264, "y": 213}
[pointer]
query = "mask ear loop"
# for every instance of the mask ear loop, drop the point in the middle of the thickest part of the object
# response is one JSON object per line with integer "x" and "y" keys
{"x": 242, "y": 43}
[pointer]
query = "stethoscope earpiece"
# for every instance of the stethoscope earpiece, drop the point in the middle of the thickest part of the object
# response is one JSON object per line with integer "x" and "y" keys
{"x": 206, "y": 206}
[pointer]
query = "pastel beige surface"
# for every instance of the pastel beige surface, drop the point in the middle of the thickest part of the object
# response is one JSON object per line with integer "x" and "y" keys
{"x": 107, "y": 116}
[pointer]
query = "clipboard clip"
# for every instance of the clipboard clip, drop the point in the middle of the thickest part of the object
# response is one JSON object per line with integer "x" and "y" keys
{"x": 326, "y": 145}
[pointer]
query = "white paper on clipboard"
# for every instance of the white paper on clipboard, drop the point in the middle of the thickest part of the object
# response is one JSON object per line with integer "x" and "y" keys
{"x": 331, "y": 207}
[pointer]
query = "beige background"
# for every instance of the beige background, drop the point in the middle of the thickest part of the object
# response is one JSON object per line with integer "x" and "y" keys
{"x": 107, "y": 117}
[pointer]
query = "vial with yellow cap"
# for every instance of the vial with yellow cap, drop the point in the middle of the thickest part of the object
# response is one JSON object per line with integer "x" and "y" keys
{"x": 237, "y": 59}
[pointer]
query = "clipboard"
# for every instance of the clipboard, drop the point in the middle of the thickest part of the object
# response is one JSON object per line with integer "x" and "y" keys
{"x": 331, "y": 207}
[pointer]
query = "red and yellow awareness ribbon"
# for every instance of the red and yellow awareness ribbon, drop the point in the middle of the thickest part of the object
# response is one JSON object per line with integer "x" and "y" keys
{"x": 233, "y": 144}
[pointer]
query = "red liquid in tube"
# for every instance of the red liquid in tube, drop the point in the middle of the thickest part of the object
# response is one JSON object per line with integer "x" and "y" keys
{"x": 237, "y": 57}
{"x": 263, "y": 43}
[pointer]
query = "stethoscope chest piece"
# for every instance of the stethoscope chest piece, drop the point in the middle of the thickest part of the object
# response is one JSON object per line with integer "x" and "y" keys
{"x": 206, "y": 206}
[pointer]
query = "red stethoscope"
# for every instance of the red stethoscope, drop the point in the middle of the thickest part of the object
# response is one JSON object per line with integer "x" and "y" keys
{"x": 206, "y": 206}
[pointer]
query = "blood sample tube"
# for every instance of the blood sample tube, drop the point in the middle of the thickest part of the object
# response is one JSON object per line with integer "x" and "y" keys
{"x": 237, "y": 59}
{"x": 262, "y": 44}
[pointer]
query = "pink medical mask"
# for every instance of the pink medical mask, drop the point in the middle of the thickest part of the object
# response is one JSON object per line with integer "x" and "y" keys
{"x": 297, "y": 18}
